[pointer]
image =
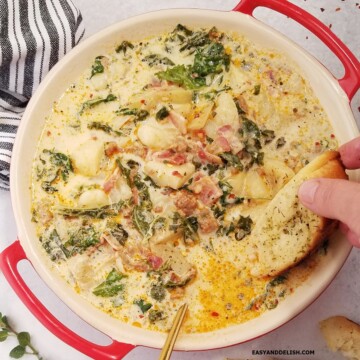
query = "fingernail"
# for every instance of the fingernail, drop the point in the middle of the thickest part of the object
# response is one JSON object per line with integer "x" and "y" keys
{"x": 307, "y": 191}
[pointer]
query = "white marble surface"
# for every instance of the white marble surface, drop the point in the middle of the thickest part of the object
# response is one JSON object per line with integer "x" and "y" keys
{"x": 342, "y": 296}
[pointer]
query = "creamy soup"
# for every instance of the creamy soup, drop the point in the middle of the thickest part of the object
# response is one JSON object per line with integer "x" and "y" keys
{"x": 154, "y": 166}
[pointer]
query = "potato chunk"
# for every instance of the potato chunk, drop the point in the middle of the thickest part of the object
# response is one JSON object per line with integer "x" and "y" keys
{"x": 173, "y": 176}
{"x": 226, "y": 114}
{"x": 93, "y": 198}
{"x": 87, "y": 157}
{"x": 157, "y": 136}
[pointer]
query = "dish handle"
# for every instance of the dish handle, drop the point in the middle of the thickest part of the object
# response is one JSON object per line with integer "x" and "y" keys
{"x": 351, "y": 80}
{"x": 9, "y": 260}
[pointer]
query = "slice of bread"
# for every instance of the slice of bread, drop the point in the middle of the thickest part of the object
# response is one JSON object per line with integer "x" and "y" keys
{"x": 287, "y": 232}
{"x": 342, "y": 334}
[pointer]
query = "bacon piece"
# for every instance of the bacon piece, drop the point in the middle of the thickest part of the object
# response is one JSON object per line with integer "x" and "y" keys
{"x": 110, "y": 183}
{"x": 219, "y": 145}
{"x": 185, "y": 202}
{"x": 207, "y": 157}
{"x": 171, "y": 157}
{"x": 139, "y": 258}
{"x": 111, "y": 148}
{"x": 232, "y": 142}
{"x": 208, "y": 191}
{"x": 138, "y": 150}
{"x": 154, "y": 261}
{"x": 207, "y": 221}
{"x": 135, "y": 193}
{"x": 179, "y": 121}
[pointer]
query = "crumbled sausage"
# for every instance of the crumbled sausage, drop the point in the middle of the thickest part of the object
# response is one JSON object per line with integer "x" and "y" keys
{"x": 185, "y": 202}
{"x": 207, "y": 221}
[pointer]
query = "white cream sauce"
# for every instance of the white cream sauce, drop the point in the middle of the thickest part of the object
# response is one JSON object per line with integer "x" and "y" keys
{"x": 122, "y": 151}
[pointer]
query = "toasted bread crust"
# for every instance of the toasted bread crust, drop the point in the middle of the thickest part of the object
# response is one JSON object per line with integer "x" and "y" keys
{"x": 288, "y": 232}
{"x": 342, "y": 334}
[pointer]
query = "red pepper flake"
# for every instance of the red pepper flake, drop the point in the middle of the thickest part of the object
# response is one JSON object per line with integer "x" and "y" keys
{"x": 332, "y": 136}
{"x": 330, "y": 26}
{"x": 143, "y": 101}
{"x": 141, "y": 316}
{"x": 214, "y": 313}
{"x": 322, "y": 9}
{"x": 338, "y": 9}
{"x": 48, "y": 133}
{"x": 176, "y": 173}
{"x": 317, "y": 143}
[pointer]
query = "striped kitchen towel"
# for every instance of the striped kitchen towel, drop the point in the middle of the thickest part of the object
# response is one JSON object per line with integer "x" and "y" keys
{"x": 34, "y": 35}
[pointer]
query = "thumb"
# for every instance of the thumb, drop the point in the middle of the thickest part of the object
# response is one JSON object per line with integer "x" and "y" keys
{"x": 334, "y": 199}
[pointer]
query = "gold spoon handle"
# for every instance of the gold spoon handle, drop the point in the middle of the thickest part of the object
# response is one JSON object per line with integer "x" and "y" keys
{"x": 174, "y": 331}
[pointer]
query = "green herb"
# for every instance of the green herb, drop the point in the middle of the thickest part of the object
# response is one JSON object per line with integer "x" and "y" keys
{"x": 174, "y": 284}
{"x": 125, "y": 171}
{"x": 124, "y": 46}
{"x": 143, "y": 219}
{"x": 182, "y": 28}
{"x": 280, "y": 142}
{"x": 252, "y": 150}
{"x": 232, "y": 160}
{"x": 158, "y": 292}
{"x": 162, "y": 113}
{"x": 97, "y": 67}
{"x": 256, "y": 90}
{"x": 188, "y": 225}
{"x": 143, "y": 192}
{"x": 144, "y": 307}
{"x": 249, "y": 128}
{"x": 46, "y": 186}
{"x": 212, "y": 168}
{"x": 139, "y": 114}
{"x": 95, "y": 125}
{"x": 57, "y": 165}
{"x": 238, "y": 107}
{"x": 118, "y": 232}
{"x": 24, "y": 340}
{"x": 243, "y": 227}
{"x": 226, "y": 230}
{"x": 97, "y": 213}
{"x": 211, "y": 60}
{"x": 211, "y": 95}
{"x": 63, "y": 162}
{"x": 193, "y": 40}
{"x": 93, "y": 102}
{"x": 280, "y": 279}
{"x": 54, "y": 246}
{"x": 270, "y": 296}
{"x": 183, "y": 76}
{"x": 156, "y": 315}
{"x": 111, "y": 286}
{"x": 155, "y": 59}
{"x": 268, "y": 135}
{"x": 227, "y": 197}
{"x": 82, "y": 239}
{"x": 218, "y": 212}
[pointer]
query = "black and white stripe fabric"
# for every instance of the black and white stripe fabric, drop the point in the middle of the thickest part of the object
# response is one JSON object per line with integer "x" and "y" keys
{"x": 34, "y": 35}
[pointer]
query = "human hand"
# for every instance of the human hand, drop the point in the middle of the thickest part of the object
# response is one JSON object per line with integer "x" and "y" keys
{"x": 337, "y": 199}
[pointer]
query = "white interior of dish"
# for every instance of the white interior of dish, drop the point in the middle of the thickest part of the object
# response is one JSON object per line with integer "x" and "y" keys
{"x": 332, "y": 97}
